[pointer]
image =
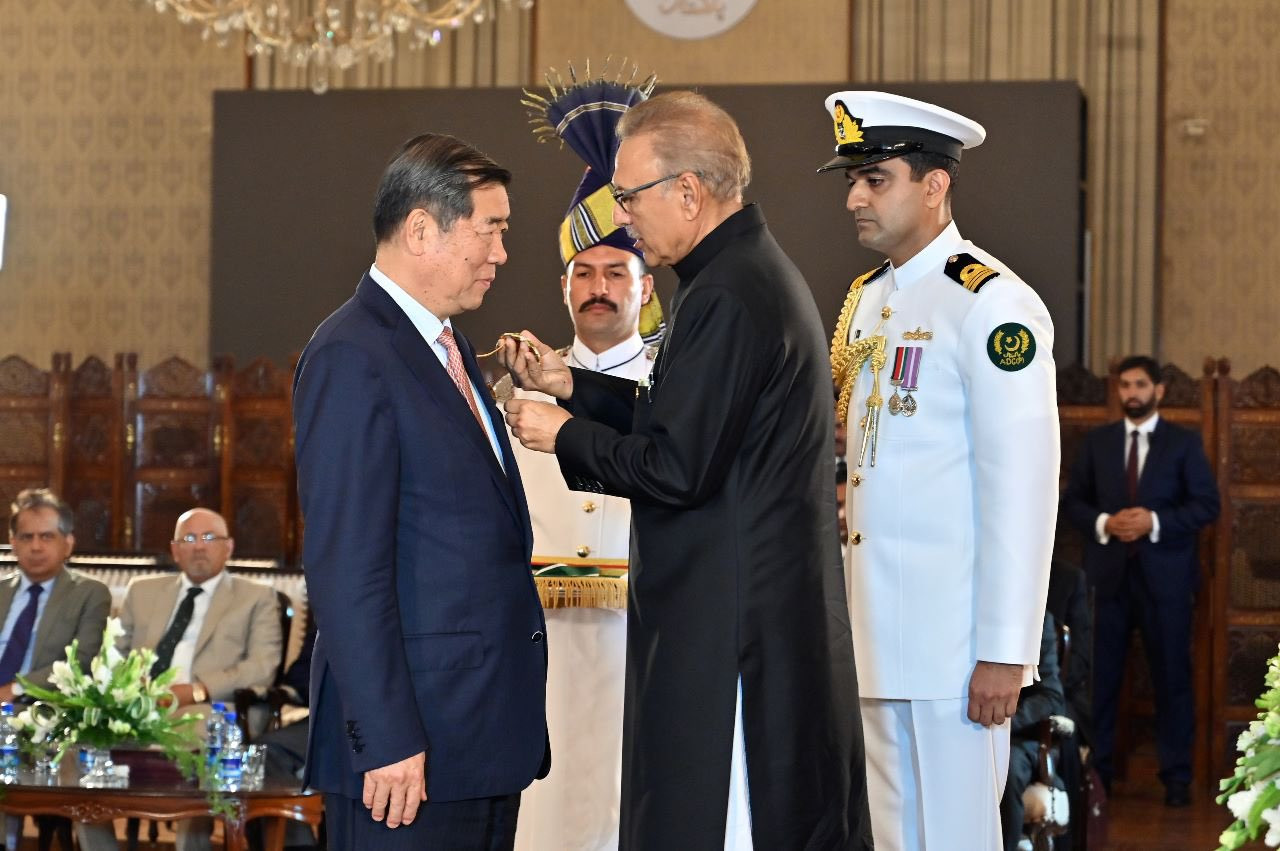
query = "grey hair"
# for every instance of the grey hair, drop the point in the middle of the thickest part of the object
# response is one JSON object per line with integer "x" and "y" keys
{"x": 33, "y": 499}
{"x": 691, "y": 133}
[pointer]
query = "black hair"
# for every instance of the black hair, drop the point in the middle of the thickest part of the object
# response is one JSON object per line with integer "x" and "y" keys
{"x": 1147, "y": 364}
{"x": 436, "y": 173}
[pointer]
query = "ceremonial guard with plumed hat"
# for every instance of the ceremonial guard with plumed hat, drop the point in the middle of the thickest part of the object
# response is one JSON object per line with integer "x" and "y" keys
{"x": 604, "y": 284}
{"x": 611, "y": 302}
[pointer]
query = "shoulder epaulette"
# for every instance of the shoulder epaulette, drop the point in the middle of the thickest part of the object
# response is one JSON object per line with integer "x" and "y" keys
{"x": 966, "y": 271}
{"x": 867, "y": 277}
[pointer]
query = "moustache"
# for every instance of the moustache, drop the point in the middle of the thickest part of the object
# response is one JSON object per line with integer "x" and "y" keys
{"x": 598, "y": 300}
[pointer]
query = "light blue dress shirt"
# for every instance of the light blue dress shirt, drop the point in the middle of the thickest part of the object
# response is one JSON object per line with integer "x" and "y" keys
{"x": 20, "y": 598}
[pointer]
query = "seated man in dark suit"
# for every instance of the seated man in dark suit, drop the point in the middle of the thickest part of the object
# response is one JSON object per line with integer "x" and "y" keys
{"x": 43, "y": 605}
{"x": 1140, "y": 491}
{"x": 287, "y": 746}
{"x": 1036, "y": 703}
{"x": 1069, "y": 604}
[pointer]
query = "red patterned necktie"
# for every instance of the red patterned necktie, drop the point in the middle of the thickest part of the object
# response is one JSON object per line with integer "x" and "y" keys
{"x": 457, "y": 372}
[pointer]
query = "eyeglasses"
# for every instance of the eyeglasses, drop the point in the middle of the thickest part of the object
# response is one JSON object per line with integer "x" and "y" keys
{"x": 207, "y": 537}
{"x": 45, "y": 537}
{"x": 622, "y": 197}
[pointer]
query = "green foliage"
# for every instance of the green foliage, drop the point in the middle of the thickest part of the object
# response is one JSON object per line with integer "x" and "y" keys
{"x": 116, "y": 702}
{"x": 1252, "y": 793}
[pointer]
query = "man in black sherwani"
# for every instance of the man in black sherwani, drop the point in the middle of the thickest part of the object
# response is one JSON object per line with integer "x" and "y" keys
{"x": 741, "y": 727}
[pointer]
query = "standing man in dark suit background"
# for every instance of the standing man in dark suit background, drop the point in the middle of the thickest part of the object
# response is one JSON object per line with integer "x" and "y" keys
{"x": 430, "y": 663}
{"x": 1140, "y": 491}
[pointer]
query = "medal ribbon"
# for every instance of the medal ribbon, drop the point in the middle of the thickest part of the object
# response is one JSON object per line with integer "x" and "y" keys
{"x": 911, "y": 367}
{"x": 899, "y": 365}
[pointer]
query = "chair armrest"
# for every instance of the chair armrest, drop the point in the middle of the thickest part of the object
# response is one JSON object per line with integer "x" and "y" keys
{"x": 1044, "y": 759}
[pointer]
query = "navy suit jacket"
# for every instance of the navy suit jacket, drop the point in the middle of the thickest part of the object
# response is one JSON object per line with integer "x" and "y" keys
{"x": 1176, "y": 483}
{"x": 417, "y": 548}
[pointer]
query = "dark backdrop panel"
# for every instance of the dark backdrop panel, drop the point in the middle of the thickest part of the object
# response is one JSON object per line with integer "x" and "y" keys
{"x": 294, "y": 176}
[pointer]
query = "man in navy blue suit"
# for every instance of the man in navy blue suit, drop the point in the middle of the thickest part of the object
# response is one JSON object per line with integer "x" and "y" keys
{"x": 428, "y": 680}
{"x": 1140, "y": 491}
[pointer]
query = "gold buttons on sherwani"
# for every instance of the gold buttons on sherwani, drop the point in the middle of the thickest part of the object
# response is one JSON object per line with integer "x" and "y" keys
{"x": 584, "y": 551}
{"x": 588, "y": 506}
{"x": 855, "y": 537}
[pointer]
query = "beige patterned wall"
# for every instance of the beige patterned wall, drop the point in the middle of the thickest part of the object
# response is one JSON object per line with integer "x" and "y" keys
{"x": 1111, "y": 48}
{"x": 105, "y": 114}
{"x": 104, "y": 154}
{"x": 777, "y": 42}
{"x": 1221, "y": 183}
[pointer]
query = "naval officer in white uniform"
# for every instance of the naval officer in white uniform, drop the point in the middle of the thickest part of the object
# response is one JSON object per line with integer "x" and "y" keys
{"x": 944, "y": 362}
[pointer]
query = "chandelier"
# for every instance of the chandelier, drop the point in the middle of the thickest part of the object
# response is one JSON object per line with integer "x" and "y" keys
{"x": 328, "y": 35}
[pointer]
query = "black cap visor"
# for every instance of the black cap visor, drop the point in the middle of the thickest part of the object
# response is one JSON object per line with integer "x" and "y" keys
{"x": 885, "y": 143}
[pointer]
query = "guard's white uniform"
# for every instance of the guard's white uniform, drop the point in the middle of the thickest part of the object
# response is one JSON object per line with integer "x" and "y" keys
{"x": 571, "y": 526}
{"x": 951, "y": 535}
{"x": 576, "y": 807}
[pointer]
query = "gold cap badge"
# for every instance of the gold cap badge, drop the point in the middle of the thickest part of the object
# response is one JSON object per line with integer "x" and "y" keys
{"x": 848, "y": 128}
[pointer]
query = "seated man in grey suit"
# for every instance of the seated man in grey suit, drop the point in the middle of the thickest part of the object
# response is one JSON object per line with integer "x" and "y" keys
{"x": 221, "y": 632}
{"x": 43, "y": 605}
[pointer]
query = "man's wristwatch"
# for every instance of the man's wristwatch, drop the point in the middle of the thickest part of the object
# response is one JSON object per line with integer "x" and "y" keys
{"x": 199, "y": 694}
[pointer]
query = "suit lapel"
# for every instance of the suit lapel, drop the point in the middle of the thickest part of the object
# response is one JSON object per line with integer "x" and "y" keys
{"x": 1156, "y": 447}
{"x": 53, "y": 612}
{"x": 213, "y": 615}
{"x": 431, "y": 374}
{"x": 514, "y": 488}
{"x": 427, "y": 368}
{"x": 8, "y": 588}
{"x": 161, "y": 612}
{"x": 1117, "y": 447}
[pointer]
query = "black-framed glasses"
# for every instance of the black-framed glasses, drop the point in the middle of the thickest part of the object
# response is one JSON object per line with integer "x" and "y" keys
{"x": 207, "y": 537}
{"x": 622, "y": 197}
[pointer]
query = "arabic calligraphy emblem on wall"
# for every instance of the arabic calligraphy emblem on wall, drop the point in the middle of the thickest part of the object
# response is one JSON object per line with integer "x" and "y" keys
{"x": 691, "y": 18}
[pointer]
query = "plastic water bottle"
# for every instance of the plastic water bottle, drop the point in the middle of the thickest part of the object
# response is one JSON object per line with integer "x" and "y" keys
{"x": 232, "y": 761}
{"x": 8, "y": 745}
{"x": 215, "y": 729}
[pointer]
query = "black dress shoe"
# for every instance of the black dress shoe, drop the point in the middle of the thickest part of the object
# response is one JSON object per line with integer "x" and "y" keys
{"x": 1177, "y": 795}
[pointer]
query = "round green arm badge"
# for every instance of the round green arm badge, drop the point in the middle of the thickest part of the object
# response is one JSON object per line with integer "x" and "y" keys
{"x": 1011, "y": 346}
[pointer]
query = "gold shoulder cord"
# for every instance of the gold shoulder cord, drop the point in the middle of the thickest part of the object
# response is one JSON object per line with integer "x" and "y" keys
{"x": 847, "y": 358}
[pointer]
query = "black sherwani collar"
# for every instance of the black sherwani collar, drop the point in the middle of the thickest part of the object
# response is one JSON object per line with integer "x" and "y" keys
{"x": 747, "y": 219}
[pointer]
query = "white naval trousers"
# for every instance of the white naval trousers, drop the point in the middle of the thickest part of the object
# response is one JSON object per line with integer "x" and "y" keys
{"x": 934, "y": 777}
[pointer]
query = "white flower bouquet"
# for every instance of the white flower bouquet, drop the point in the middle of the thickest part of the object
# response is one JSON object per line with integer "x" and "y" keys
{"x": 116, "y": 702}
{"x": 1253, "y": 792}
